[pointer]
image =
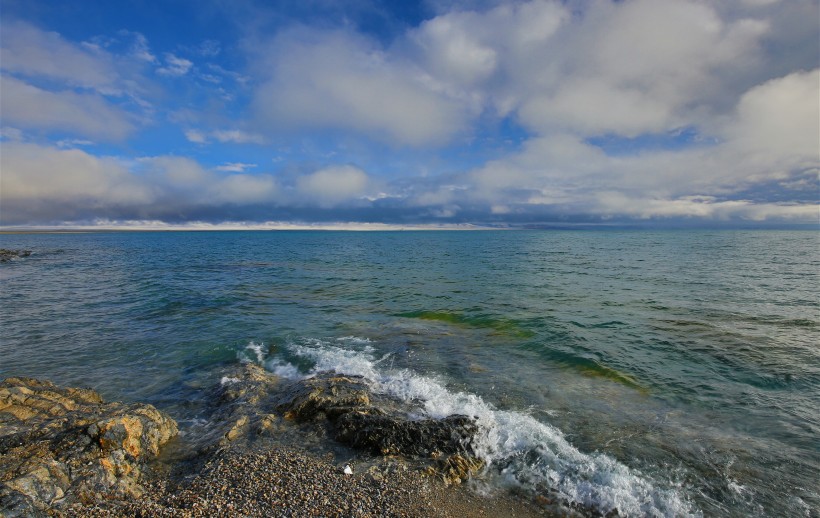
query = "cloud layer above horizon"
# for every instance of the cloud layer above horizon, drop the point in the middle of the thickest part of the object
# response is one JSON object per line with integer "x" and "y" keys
{"x": 500, "y": 113}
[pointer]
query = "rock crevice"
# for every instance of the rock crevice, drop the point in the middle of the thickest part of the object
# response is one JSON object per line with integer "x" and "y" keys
{"x": 59, "y": 445}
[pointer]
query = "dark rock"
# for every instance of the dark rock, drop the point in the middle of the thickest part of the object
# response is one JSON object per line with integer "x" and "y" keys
{"x": 362, "y": 419}
{"x": 7, "y": 255}
{"x": 61, "y": 445}
{"x": 251, "y": 403}
{"x": 397, "y": 435}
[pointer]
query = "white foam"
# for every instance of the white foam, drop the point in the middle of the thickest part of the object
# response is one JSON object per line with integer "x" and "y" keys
{"x": 253, "y": 353}
{"x": 283, "y": 369}
{"x": 354, "y": 339}
{"x": 226, "y": 380}
{"x": 527, "y": 452}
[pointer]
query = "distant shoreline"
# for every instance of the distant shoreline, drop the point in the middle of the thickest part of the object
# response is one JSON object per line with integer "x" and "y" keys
{"x": 580, "y": 227}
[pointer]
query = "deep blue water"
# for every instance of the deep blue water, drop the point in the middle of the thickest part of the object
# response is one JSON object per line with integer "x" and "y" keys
{"x": 665, "y": 373}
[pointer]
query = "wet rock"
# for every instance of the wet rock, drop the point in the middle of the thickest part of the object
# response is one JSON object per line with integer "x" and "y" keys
{"x": 7, "y": 255}
{"x": 325, "y": 395}
{"x": 251, "y": 403}
{"x": 455, "y": 468}
{"x": 397, "y": 435}
{"x": 243, "y": 408}
{"x": 373, "y": 422}
{"x": 60, "y": 445}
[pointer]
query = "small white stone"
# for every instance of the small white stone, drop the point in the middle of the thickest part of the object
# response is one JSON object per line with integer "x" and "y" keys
{"x": 348, "y": 470}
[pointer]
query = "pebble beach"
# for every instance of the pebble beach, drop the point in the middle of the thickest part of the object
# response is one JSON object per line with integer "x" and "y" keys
{"x": 295, "y": 483}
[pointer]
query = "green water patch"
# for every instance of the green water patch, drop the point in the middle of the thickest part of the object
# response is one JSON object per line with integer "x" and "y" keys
{"x": 502, "y": 326}
{"x": 594, "y": 369}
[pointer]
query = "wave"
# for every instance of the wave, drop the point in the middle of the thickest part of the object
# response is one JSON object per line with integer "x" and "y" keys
{"x": 520, "y": 449}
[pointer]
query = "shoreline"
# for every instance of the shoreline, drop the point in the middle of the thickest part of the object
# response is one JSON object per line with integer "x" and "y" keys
{"x": 66, "y": 452}
{"x": 286, "y": 481}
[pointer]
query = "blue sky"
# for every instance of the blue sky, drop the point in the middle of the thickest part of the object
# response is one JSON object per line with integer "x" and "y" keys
{"x": 437, "y": 112}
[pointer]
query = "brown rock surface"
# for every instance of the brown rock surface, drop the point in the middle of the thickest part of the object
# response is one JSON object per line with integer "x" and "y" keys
{"x": 60, "y": 445}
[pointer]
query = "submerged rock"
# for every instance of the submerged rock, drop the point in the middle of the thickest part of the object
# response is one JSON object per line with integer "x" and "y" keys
{"x": 61, "y": 445}
{"x": 243, "y": 408}
{"x": 7, "y": 255}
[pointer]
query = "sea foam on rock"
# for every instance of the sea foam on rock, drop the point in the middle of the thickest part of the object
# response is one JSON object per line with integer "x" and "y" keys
{"x": 253, "y": 403}
{"x": 381, "y": 425}
{"x": 63, "y": 445}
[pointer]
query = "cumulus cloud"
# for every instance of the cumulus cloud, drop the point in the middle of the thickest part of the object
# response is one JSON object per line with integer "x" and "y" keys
{"x": 626, "y": 70}
{"x": 29, "y": 51}
{"x": 44, "y": 183}
{"x": 772, "y": 135}
{"x": 333, "y": 185}
{"x": 245, "y": 189}
{"x": 710, "y": 109}
{"x": 53, "y": 85}
{"x": 341, "y": 81}
{"x": 86, "y": 114}
{"x": 780, "y": 117}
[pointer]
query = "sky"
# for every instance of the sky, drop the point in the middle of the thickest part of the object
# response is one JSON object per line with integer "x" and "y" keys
{"x": 439, "y": 112}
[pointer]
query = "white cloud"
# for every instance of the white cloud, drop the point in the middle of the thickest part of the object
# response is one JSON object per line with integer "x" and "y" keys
{"x": 46, "y": 183}
{"x": 333, "y": 185}
{"x": 705, "y": 207}
{"x": 196, "y": 136}
{"x": 9, "y": 133}
{"x": 29, "y": 51}
{"x": 43, "y": 183}
{"x": 86, "y": 114}
{"x": 52, "y": 84}
{"x": 626, "y": 69}
{"x": 234, "y": 136}
{"x": 237, "y": 136}
{"x": 236, "y": 167}
{"x": 245, "y": 188}
{"x": 336, "y": 80}
{"x": 780, "y": 117}
{"x": 463, "y": 48}
{"x": 452, "y": 48}
{"x": 140, "y": 49}
{"x": 73, "y": 142}
{"x": 175, "y": 66}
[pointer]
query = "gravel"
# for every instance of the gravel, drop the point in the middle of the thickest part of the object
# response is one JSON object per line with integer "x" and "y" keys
{"x": 290, "y": 482}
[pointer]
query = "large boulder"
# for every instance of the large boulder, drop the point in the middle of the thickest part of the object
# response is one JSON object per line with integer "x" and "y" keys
{"x": 326, "y": 395}
{"x": 398, "y": 435}
{"x": 361, "y": 418}
{"x": 60, "y": 445}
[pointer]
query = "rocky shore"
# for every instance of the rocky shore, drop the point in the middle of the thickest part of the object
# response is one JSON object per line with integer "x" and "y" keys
{"x": 65, "y": 452}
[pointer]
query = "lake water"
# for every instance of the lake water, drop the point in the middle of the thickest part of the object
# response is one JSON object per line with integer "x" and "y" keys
{"x": 656, "y": 373}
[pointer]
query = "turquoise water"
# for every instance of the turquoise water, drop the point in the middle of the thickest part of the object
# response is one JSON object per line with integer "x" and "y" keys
{"x": 657, "y": 373}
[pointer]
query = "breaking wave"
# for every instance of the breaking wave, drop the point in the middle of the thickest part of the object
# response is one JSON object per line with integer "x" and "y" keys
{"x": 522, "y": 450}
